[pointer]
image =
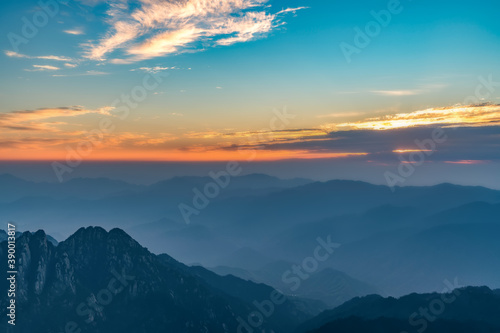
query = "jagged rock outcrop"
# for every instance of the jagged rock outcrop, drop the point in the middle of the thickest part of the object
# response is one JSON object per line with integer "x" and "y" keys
{"x": 100, "y": 281}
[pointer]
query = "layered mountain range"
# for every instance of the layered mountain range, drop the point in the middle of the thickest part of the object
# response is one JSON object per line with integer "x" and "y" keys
{"x": 459, "y": 310}
{"x": 258, "y": 228}
{"x": 99, "y": 281}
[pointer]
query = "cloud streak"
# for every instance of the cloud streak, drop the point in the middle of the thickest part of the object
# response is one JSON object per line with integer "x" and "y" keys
{"x": 77, "y": 31}
{"x": 86, "y": 73}
{"x": 397, "y": 92}
{"x": 42, "y": 68}
{"x": 13, "y": 54}
{"x": 155, "y": 69}
{"x": 37, "y": 120}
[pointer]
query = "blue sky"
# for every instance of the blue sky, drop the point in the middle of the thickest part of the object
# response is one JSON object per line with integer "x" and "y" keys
{"x": 229, "y": 64}
{"x": 428, "y": 43}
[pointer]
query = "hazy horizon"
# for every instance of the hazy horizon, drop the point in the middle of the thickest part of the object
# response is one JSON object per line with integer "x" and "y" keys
{"x": 147, "y": 173}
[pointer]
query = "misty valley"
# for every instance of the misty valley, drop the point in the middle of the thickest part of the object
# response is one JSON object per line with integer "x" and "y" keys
{"x": 267, "y": 254}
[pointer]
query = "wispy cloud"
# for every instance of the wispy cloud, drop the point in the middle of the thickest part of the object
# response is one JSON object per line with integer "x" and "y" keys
{"x": 157, "y": 28}
{"x": 291, "y": 10}
{"x": 397, "y": 92}
{"x": 230, "y": 140}
{"x": 87, "y": 73}
{"x": 38, "y": 119}
{"x": 155, "y": 69}
{"x": 467, "y": 162}
{"x": 342, "y": 115}
{"x": 13, "y": 54}
{"x": 93, "y": 72}
{"x": 422, "y": 89}
{"x": 30, "y": 143}
{"x": 139, "y": 140}
{"x": 76, "y": 31}
{"x": 41, "y": 68}
{"x": 405, "y": 151}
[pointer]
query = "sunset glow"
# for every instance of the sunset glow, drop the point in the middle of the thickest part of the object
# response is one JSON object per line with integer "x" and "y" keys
{"x": 46, "y": 134}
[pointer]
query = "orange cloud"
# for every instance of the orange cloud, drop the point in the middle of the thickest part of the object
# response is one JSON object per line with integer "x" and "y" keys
{"x": 33, "y": 119}
{"x": 403, "y": 151}
{"x": 22, "y": 138}
{"x": 467, "y": 162}
{"x": 481, "y": 115}
{"x": 174, "y": 155}
{"x": 259, "y": 136}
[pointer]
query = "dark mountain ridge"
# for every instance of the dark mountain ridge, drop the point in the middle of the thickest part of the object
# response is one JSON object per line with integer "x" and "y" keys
{"x": 106, "y": 282}
{"x": 464, "y": 309}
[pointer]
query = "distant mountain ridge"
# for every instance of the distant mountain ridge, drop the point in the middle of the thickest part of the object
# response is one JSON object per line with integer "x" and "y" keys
{"x": 460, "y": 310}
{"x": 97, "y": 188}
{"x": 329, "y": 286}
{"x": 401, "y": 242}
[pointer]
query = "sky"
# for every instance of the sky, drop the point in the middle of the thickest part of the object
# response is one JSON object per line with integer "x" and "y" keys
{"x": 253, "y": 80}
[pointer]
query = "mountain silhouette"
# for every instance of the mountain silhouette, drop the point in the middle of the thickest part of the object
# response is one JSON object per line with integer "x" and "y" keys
{"x": 103, "y": 281}
{"x": 466, "y": 309}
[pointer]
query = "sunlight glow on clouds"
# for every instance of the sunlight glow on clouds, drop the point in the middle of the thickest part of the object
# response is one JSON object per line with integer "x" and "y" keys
{"x": 481, "y": 115}
{"x": 404, "y": 151}
{"x": 157, "y": 28}
{"x": 33, "y": 119}
{"x": 51, "y": 130}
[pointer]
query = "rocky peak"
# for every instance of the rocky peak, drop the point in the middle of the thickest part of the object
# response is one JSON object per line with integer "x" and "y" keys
{"x": 107, "y": 282}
